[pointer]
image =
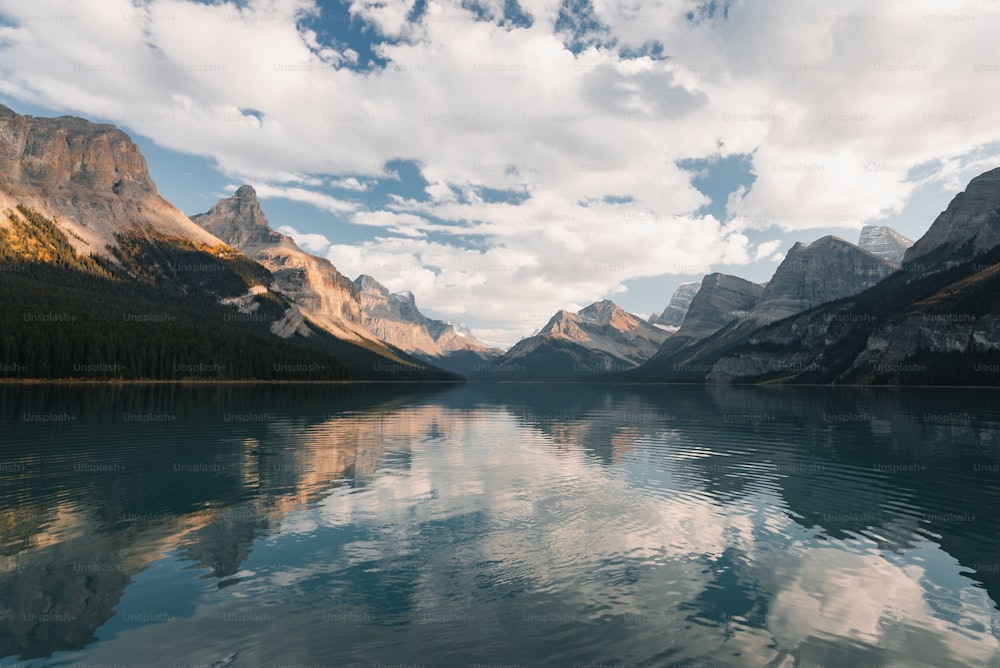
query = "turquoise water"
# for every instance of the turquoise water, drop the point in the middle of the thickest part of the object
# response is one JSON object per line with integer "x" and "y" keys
{"x": 498, "y": 525}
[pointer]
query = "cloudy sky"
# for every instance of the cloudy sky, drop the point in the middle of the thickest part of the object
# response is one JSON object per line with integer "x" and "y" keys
{"x": 505, "y": 160}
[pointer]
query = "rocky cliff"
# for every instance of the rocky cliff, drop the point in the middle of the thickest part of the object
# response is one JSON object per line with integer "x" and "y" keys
{"x": 677, "y": 308}
{"x": 827, "y": 269}
{"x": 89, "y": 178}
{"x": 969, "y": 226}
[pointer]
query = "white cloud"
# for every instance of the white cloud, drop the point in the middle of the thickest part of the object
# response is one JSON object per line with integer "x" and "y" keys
{"x": 316, "y": 244}
{"x": 317, "y": 199}
{"x": 350, "y": 183}
{"x": 833, "y": 105}
{"x": 767, "y": 249}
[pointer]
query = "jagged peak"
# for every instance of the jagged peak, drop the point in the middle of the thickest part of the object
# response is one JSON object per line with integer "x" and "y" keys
{"x": 367, "y": 283}
{"x": 246, "y": 192}
{"x": 602, "y": 306}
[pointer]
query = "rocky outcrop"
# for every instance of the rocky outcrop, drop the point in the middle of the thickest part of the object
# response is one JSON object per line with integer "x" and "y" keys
{"x": 89, "y": 178}
{"x": 969, "y": 226}
{"x": 680, "y": 302}
{"x": 600, "y": 338}
{"x": 884, "y": 242}
{"x": 823, "y": 271}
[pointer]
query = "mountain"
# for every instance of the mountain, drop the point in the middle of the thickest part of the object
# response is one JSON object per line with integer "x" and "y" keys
{"x": 721, "y": 299}
{"x": 673, "y": 314}
{"x": 103, "y": 278}
{"x": 395, "y": 318}
{"x": 325, "y": 296}
{"x": 936, "y": 321}
{"x": 362, "y": 310}
{"x": 597, "y": 339}
{"x": 728, "y": 310}
{"x": 968, "y": 227}
{"x": 884, "y": 242}
{"x": 827, "y": 269}
{"x": 90, "y": 179}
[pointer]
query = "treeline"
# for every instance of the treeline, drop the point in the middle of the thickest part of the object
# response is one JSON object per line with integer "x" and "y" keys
{"x": 155, "y": 316}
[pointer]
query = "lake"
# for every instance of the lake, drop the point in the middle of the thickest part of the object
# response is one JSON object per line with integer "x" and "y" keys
{"x": 498, "y": 526}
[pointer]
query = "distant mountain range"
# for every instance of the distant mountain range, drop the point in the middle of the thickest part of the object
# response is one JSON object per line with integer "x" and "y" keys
{"x": 395, "y": 318}
{"x": 672, "y": 316}
{"x": 100, "y": 277}
{"x": 835, "y": 313}
{"x": 597, "y": 339}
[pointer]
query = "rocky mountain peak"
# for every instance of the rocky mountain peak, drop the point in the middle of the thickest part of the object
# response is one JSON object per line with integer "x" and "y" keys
{"x": 884, "y": 242}
{"x": 90, "y": 177}
{"x": 246, "y": 192}
{"x": 969, "y": 226}
{"x": 55, "y": 153}
{"x": 239, "y": 220}
{"x": 827, "y": 269}
{"x": 603, "y": 312}
{"x": 720, "y": 300}
{"x": 368, "y": 284}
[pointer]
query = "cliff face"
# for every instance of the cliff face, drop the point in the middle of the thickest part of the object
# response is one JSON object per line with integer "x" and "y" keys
{"x": 325, "y": 295}
{"x": 969, "y": 226}
{"x": 721, "y": 300}
{"x": 92, "y": 179}
{"x": 827, "y": 269}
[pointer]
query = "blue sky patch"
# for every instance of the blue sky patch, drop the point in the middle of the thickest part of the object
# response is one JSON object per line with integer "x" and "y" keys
{"x": 718, "y": 177}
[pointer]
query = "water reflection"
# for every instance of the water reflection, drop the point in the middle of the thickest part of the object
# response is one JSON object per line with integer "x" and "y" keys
{"x": 530, "y": 524}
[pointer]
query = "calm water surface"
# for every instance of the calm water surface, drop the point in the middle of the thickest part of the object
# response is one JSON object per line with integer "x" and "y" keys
{"x": 498, "y": 525}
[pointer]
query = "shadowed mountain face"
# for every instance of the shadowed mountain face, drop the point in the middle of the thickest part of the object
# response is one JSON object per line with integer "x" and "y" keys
{"x": 936, "y": 321}
{"x": 395, "y": 318}
{"x": 91, "y": 179}
{"x": 597, "y": 339}
{"x": 720, "y": 301}
{"x": 969, "y": 226}
{"x": 827, "y": 269}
